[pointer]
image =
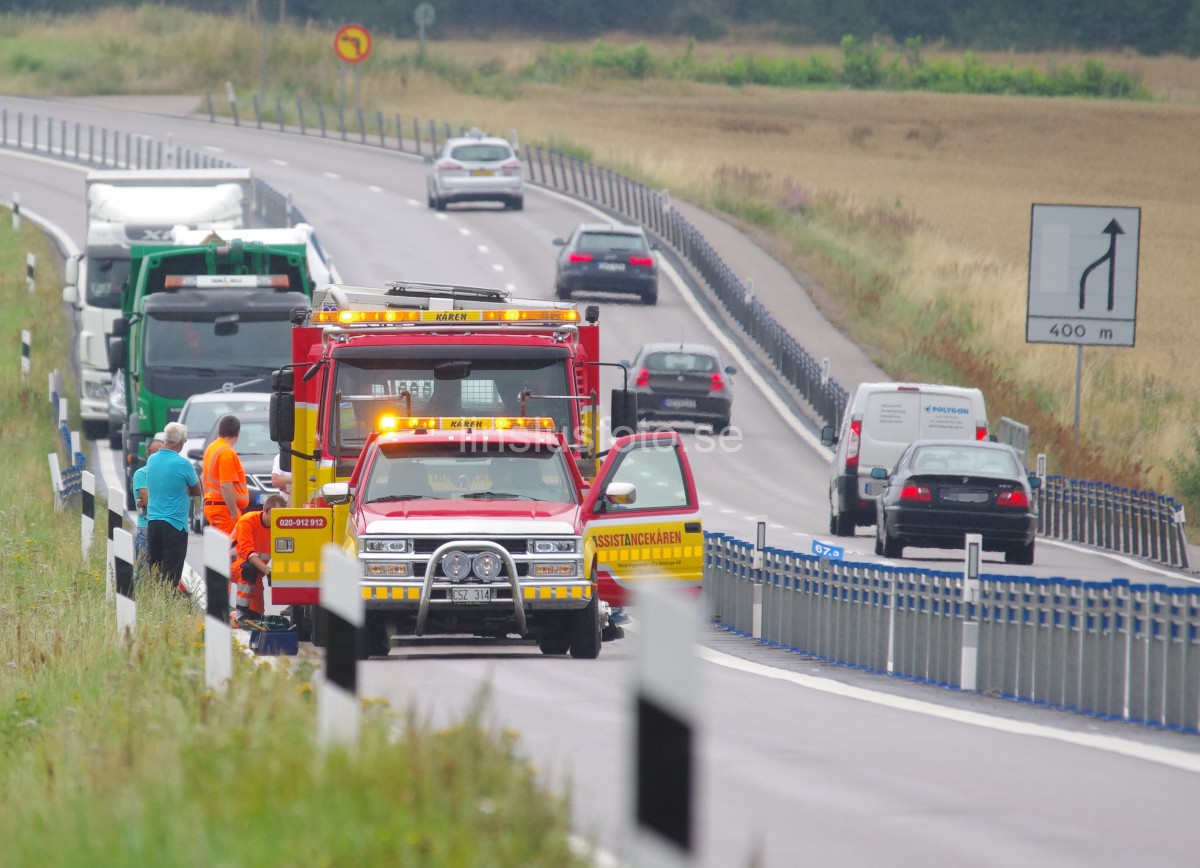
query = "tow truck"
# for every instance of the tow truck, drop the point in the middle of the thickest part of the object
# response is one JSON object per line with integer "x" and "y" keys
{"x": 428, "y": 351}
{"x": 484, "y": 526}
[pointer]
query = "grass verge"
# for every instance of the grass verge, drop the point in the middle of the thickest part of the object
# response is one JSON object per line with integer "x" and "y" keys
{"x": 116, "y": 754}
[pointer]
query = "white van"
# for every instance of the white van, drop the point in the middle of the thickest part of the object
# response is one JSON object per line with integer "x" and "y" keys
{"x": 880, "y": 420}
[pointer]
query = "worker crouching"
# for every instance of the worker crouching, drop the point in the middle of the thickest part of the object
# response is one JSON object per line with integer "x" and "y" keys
{"x": 252, "y": 558}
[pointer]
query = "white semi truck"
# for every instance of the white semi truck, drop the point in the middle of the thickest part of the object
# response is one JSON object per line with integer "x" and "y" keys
{"x": 126, "y": 207}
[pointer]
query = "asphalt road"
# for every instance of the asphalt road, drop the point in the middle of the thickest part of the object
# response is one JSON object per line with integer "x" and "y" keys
{"x": 798, "y": 762}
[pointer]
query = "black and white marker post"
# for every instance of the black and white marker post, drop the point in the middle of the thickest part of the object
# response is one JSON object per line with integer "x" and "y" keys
{"x": 26, "y": 340}
{"x": 30, "y": 266}
{"x": 218, "y": 637}
{"x": 116, "y": 520}
{"x": 87, "y": 529}
{"x": 665, "y": 707}
{"x": 338, "y": 709}
{"x": 123, "y": 581}
{"x": 969, "y": 659}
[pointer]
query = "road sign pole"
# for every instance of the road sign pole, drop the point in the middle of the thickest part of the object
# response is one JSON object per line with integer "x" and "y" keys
{"x": 1078, "y": 387}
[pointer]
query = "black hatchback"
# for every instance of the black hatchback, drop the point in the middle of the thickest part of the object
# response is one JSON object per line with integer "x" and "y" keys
{"x": 607, "y": 257}
{"x": 941, "y": 490}
{"x": 683, "y": 381}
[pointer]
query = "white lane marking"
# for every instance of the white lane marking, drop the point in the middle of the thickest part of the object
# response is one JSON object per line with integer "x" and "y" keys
{"x": 482, "y": 248}
{"x": 497, "y": 267}
{"x": 333, "y": 176}
{"x": 278, "y": 162}
{"x": 464, "y": 231}
{"x": 414, "y": 203}
{"x": 1176, "y": 759}
{"x": 374, "y": 189}
{"x": 441, "y": 216}
{"x": 216, "y": 149}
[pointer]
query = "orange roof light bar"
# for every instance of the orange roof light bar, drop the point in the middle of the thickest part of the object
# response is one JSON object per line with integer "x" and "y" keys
{"x": 389, "y": 422}
{"x": 376, "y": 317}
{"x": 225, "y": 281}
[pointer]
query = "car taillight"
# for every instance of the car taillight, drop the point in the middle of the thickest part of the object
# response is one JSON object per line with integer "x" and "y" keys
{"x": 580, "y": 257}
{"x": 448, "y": 165}
{"x": 717, "y": 383}
{"x": 1012, "y": 498}
{"x": 981, "y": 432}
{"x": 512, "y": 167}
{"x": 643, "y": 377}
{"x": 640, "y": 260}
{"x": 852, "y": 444}
{"x": 915, "y": 494}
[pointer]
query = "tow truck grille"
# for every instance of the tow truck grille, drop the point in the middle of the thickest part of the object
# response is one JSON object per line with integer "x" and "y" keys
{"x": 428, "y": 545}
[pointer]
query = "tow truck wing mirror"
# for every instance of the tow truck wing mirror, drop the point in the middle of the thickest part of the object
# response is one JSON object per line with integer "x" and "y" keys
{"x": 116, "y": 354}
{"x": 828, "y": 438}
{"x": 559, "y": 242}
{"x": 621, "y": 493}
{"x": 281, "y": 417}
{"x": 624, "y": 412}
{"x": 196, "y": 454}
{"x": 336, "y": 492}
{"x": 283, "y": 380}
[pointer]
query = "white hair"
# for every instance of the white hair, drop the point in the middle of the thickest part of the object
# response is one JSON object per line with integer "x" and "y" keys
{"x": 175, "y": 432}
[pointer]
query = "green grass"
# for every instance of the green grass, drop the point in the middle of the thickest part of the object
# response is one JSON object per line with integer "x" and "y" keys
{"x": 117, "y": 754}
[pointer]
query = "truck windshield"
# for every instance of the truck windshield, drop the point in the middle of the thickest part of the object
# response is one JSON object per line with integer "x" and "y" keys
{"x": 446, "y": 386}
{"x": 446, "y": 472}
{"x": 105, "y": 278}
{"x": 216, "y": 342}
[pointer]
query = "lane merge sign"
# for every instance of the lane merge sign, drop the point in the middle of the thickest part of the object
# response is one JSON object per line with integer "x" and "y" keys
{"x": 1083, "y": 274}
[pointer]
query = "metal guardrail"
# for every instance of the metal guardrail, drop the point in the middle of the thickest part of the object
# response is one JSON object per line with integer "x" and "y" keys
{"x": 1112, "y": 649}
{"x": 1099, "y": 511}
{"x": 1016, "y": 435}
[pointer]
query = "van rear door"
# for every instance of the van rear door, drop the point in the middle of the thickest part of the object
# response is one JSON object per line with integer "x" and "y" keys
{"x": 947, "y": 417}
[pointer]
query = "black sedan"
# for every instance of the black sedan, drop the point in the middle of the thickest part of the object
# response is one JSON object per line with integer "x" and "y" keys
{"x": 942, "y": 490}
{"x": 683, "y": 381}
{"x": 607, "y": 257}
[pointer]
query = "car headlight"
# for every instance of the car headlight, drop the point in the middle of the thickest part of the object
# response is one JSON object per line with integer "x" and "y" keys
{"x": 556, "y": 570}
{"x": 96, "y": 391}
{"x": 388, "y": 546}
{"x": 553, "y": 546}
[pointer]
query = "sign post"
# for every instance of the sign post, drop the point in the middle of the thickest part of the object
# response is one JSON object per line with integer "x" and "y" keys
{"x": 1083, "y": 273}
{"x": 351, "y": 44}
{"x": 423, "y": 17}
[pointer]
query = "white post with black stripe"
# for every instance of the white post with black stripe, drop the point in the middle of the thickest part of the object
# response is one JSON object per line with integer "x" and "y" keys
{"x": 123, "y": 581}
{"x": 16, "y": 212}
{"x": 116, "y": 521}
{"x": 87, "y": 485}
{"x": 218, "y": 637}
{"x": 666, "y": 686}
{"x": 26, "y": 341}
{"x": 969, "y": 661}
{"x": 338, "y": 708}
{"x": 30, "y": 266}
{"x": 56, "y": 479}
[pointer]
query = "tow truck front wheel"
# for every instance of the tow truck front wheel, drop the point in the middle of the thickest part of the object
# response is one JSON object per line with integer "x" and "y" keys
{"x": 585, "y": 631}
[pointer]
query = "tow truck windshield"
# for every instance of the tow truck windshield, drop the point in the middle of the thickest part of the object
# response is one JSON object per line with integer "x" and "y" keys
{"x": 451, "y": 383}
{"x": 447, "y": 471}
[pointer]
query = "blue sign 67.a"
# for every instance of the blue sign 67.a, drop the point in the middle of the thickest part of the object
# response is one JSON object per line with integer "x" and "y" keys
{"x": 828, "y": 552}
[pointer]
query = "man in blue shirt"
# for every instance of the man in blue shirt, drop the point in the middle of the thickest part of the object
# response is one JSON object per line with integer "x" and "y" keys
{"x": 171, "y": 483}
{"x": 141, "y": 497}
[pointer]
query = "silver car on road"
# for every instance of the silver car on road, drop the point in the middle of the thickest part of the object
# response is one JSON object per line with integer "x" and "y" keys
{"x": 476, "y": 168}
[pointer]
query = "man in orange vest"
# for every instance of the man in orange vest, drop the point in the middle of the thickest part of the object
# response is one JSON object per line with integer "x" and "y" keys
{"x": 252, "y": 544}
{"x": 224, "y": 478}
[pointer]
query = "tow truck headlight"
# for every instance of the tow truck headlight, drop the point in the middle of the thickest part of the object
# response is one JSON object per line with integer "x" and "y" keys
{"x": 557, "y": 570}
{"x": 387, "y": 546}
{"x": 487, "y": 566}
{"x": 553, "y": 546}
{"x": 388, "y": 571}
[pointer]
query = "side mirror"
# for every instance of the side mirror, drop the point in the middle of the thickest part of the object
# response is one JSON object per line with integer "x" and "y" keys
{"x": 559, "y": 242}
{"x": 336, "y": 492}
{"x": 120, "y": 327}
{"x": 621, "y": 493}
{"x": 70, "y": 295}
{"x": 283, "y": 380}
{"x": 196, "y": 454}
{"x": 828, "y": 438}
{"x": 654, "y": 245}
{"x": 116, "y": 354}
{"x": 624, "y": 412}
{"x": 281, "y": 417}
{"x": 730, "y": 369}
{"x": 71, "y": 271}
{"x": 879, "y": 473}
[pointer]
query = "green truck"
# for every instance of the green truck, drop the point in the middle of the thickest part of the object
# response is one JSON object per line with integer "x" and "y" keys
{"x": 201, "y": 318}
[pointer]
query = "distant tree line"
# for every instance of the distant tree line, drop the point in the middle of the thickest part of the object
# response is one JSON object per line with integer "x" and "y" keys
{"x": 1147, "y": 26}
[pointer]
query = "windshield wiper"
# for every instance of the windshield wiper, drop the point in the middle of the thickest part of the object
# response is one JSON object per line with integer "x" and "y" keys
{"x": 498, "y": 495}
{"x": 393, "y": 497}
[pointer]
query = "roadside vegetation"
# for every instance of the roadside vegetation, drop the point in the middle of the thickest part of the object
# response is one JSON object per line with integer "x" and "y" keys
{"x": 116, "y": 754}
{"x": 905, "y": 212}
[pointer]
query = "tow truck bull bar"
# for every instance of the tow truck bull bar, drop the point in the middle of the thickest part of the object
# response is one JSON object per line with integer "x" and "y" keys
{"x": 478, "y": 546}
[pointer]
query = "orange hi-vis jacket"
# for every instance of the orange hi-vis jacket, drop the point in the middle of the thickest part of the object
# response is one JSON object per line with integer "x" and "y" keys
{"x": 222, "y": 464}
{"x": 249, "y": 537}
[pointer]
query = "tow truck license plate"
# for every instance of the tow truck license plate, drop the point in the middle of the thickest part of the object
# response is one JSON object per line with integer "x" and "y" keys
{"x": 470, "y": 595}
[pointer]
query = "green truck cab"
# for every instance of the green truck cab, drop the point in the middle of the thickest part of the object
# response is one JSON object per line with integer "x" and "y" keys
{"x": 201, "y": 318}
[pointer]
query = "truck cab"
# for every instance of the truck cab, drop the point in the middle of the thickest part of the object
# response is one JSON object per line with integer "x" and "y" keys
{"x": 484, "y": 526}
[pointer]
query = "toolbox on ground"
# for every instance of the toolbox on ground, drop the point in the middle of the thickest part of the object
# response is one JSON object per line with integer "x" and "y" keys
{"x": 273, "y": 636}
